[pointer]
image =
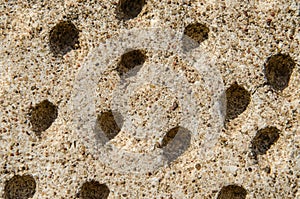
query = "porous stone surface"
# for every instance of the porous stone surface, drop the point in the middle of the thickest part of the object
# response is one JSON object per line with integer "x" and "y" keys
{"x": 48, "y": 48}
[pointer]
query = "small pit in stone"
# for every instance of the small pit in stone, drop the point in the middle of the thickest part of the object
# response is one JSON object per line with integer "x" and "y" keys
{"x": 263, "y": 140}
{"x": 108, "y": 125}
{"x": 170, "y": 135}
{"x": 238, "y": 100}
{"x": 63, "y": 38}
{"x": 278, "y": 70}
{"x": 232, "y": 192}
{"x": 176, "y": 141}
{"x": 194, "y": 34}
{"x": 129, "y": 9}
{"x": 21, "y": 187}
{"x": 42, "y": 115}
{"x": 131, "y": 61}
{"x": 93, "y": 190}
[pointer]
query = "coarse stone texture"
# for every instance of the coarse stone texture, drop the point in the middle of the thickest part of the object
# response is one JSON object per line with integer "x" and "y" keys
{"x": 255, "y": 46}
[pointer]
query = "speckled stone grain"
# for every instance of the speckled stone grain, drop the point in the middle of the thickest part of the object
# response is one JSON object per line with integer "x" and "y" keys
{"x": 56, "y": 163}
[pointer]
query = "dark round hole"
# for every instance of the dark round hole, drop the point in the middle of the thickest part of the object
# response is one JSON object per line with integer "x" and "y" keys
{"x": 93, "y": 190}
{"x": 175, "y": 142}
{"x": 130, "y": 8}
{"x": 278, "y": 70}
{"x": 232, "y": 192}
{"x": 194, "y": 34}
{"x": 238, "y": 99}
{"x": 21, "y": 187}
{"x": 63, "y": 38}
{"x": 170, "y": 135}
{"x": 130, "y": 60}
{"x": 263, "y": 140}
{"x": 42, "y": 116}
{"x": 108, "y": 125}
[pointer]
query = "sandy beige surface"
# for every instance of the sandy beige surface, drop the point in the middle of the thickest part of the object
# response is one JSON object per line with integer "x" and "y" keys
{"x": 48, "y": 148}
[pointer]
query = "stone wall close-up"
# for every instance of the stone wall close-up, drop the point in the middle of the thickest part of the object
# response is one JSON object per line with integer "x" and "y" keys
{"x": 149, "y": 99}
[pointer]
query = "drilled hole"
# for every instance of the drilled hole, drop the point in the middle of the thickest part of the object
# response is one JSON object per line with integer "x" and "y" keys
{"x": 232, "y": 192}
{"x": 21, "y": 187}
{"x": 263, "y": 140}
{"x": 93, "y": 190}
{"x": 278, "y": 70}
{"x": 130, "y": 60}
{"x": 42, "y": 116}
{"x": 194, "y": 34}
{"x": 238, "y": 99}
{"x": 129, "y": 9}
{"x": 170, "y": 135}
{"x": 175, "y": 142}
{"x": 108, "y": 125}
{"x": 64, "y": 38}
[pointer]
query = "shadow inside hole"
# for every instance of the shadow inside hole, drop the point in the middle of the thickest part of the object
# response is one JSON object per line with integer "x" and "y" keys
{"x": 131, "y": 62}
{"x": 129, "y": 9}
{"x": 194, "y": 34}
{"x": 107, "y": 126}
{"x": 21, "y": 187}
{"x": 278, "y": 70}
{"x": 237, "y": 99}
{"x": 42, "y": 116}
{"x": 263, "y": 140}
{"x": 63, "y": 38}
{"x": 175, "y": 143}
{"x": 232, "y": 192}
{"x": 93, "y": 190}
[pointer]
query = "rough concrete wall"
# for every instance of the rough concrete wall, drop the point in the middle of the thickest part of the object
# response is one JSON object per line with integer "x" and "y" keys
{"x": 212, "y": 112}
